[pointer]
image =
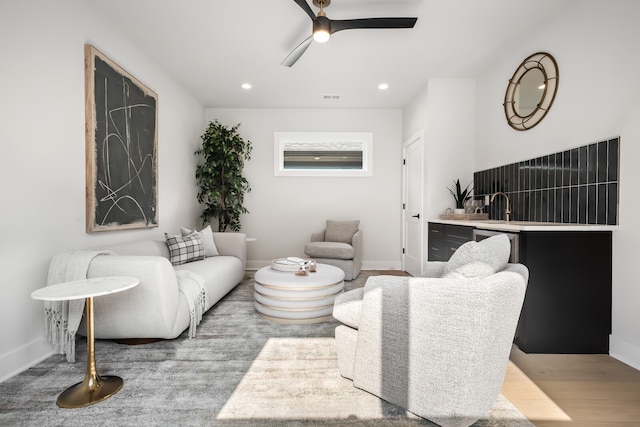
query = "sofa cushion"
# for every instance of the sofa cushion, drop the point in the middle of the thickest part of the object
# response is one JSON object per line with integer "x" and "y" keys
{"x": 184, "y": 249}
{"x": 347, "y": 307}
{"x": 220, "y": 274}
{"x": 340, "y": 231}
{"x": 479, "y": 259}
{"x": 206, "y": 237}
{"x": 335, "y": 250}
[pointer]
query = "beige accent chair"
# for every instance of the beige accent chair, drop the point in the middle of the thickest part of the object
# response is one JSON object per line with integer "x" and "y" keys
{"x": 437, "y": 346}
{"x": 340, "y": 245}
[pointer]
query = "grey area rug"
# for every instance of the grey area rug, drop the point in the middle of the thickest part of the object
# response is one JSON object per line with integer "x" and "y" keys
{"x": 240, "y": 370}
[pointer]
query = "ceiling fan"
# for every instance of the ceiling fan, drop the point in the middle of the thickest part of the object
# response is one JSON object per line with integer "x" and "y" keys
{"x": 323, "y": 27}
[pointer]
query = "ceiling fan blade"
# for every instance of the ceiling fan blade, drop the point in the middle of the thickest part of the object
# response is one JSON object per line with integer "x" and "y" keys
{"x": 305, "y": 6}
{"x": 297, "y": 52}
{"x": 350, "y": 24}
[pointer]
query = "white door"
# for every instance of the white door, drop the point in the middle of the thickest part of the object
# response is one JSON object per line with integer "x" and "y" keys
{"x": 412, "y": 206}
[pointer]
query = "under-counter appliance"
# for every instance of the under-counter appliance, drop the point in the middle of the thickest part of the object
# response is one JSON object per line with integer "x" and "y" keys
{"x": 479, "y": 234}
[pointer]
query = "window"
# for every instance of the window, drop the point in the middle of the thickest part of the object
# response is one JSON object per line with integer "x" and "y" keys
{"x": 323, "y": 154}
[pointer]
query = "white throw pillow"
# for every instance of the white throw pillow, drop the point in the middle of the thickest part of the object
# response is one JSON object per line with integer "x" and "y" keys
{"x": 479, "y": 259}
{"x": 206, "y": 237}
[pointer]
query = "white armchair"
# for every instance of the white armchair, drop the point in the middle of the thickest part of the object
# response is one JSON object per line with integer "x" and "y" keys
{"x": 438, "y": 346}
{"x": 340, "y": 245}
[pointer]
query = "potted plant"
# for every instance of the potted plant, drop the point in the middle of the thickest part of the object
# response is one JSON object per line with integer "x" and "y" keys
{"x": 460, "y": 196}
{"x": 219, "y": 177}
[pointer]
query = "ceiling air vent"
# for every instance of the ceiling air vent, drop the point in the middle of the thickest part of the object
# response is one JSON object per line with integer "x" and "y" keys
{"x": 331, "y": 97}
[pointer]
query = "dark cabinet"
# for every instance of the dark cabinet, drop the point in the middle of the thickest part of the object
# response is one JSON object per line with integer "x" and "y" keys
{"x": 567, "y": 307}
{"x": 437, "y": 247}
{"x": 445, "y": 239}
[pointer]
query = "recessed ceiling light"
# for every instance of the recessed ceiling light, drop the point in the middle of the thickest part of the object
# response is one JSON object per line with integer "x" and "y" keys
{"x": 383, "y": 86}
{"x": 246, "y": 86}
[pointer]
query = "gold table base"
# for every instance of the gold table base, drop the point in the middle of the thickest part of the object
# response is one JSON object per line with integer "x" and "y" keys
{"x": 89, "y": 391}
{"x": 94, "y": 388}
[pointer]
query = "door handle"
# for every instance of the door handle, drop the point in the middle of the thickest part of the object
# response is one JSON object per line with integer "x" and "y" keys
{"x": 416, "y": 216}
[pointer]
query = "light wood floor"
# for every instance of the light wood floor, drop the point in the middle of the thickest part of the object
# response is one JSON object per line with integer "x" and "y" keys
{"x": 566, "y": 390}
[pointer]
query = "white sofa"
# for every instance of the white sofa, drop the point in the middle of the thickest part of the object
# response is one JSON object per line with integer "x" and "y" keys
{"x": 156, "y": 308}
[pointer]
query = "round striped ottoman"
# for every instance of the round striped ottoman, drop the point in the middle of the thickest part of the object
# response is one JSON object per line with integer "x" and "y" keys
{"x": 282, "y": 296}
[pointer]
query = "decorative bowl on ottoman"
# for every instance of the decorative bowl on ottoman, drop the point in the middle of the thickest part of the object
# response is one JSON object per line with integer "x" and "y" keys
{"x": 299, "y": 265}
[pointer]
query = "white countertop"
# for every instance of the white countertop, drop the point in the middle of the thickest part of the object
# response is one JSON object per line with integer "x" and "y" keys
{"x": 515, "y": 226}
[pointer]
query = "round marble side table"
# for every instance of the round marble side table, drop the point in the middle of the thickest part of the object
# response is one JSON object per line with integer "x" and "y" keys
{"x": 94, "y": 388}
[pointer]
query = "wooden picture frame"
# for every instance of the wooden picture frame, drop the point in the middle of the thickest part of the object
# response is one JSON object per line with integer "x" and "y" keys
{"x": 121, "y": 147}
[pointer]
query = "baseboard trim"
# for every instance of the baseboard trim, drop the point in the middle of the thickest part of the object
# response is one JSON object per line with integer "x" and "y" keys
{"x": 256, "y": 264}
{"x": 22, "y": 358}
{"x": 624, "y": 351}
{"x": 381, "y": 265}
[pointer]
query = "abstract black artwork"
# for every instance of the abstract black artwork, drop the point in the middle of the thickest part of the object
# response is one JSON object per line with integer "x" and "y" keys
{"x": 121, "y": 147}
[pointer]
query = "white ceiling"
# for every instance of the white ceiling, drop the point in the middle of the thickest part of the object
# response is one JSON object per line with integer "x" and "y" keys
{"x": 213, "y": 46}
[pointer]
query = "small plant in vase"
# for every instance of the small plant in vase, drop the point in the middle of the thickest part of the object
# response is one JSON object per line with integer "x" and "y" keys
{"x": 460, "y": 196}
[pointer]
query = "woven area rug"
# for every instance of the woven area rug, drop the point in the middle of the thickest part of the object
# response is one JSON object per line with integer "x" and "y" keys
{"x": 240, "y": 370}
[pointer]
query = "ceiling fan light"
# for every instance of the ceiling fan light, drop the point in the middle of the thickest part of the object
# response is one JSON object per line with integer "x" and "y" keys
{"x": 321, "y": 29}
{"x": 321, "y": 36}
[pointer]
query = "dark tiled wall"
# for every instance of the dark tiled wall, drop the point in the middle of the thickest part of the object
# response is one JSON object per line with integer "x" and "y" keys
{"x": 578, "y": 186}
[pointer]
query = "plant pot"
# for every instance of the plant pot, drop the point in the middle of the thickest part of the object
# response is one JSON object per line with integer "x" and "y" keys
{"x": 458, "y": 211}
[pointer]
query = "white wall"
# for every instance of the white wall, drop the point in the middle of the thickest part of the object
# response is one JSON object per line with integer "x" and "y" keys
{"x": 42, "y": 146}
{"x": 594, "y": 44}
{"x": 284, "y": 211}
{"x": 448, "y": 129}
{"x": 448, "y": 126}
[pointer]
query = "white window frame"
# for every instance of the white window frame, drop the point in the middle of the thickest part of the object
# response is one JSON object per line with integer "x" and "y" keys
{"x": 317, "y": 140}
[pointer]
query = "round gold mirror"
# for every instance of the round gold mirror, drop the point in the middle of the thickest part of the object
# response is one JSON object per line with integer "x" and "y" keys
{"x": 531, "y": 91}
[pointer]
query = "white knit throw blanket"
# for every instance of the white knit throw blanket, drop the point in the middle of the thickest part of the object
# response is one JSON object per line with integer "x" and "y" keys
{"x": 62, "y": 318}
{"x": 192, "y": 286}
